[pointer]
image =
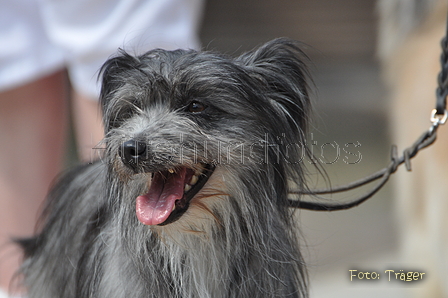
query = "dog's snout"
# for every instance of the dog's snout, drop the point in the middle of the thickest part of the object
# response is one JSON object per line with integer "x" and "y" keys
{"x": 134, "y": 149}
{"x": 133, "y": 152}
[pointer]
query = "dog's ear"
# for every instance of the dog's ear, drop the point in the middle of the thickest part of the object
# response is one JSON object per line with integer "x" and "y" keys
{"x": 112, "y": 73}
{"x": 279, "y": 71}
{"x": 280, "y": 66}
{"x": 283, "y": 56}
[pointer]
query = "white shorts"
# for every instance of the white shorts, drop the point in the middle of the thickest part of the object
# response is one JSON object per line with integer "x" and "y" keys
{"x": 38, "y": 37}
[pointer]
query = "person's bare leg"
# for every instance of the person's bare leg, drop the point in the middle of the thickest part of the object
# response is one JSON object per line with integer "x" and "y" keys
{"x": 32, "y": 132}
{"x": 88, "y": 126}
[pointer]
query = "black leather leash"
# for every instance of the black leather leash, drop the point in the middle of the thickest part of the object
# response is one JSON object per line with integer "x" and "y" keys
{"x": 438, "y": 117}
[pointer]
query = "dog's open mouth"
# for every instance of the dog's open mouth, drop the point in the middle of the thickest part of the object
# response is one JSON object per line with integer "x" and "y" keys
{"x": 170, "y": 194}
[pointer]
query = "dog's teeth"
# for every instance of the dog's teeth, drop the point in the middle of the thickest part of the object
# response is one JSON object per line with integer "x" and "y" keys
{"x": 187, "y": 187}
{"x": 194, "y": 180}
{"x": 174, "y": 207}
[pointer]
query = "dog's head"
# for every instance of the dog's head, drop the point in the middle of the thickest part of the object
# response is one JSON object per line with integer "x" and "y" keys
{"x": 184, "y": 119}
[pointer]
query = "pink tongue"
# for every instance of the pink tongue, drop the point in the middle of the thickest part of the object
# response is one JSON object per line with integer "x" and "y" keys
{"x": 154, "y": 207}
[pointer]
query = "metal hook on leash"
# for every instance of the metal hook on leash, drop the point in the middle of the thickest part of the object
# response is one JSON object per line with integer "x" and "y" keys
{"x": 438, "y": 119}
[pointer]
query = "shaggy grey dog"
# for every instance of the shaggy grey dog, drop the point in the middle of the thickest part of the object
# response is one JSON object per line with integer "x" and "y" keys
{"x": 190, "y": 197}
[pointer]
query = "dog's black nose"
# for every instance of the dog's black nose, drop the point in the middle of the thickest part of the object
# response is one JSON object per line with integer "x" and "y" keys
{"x": 133, "y": 152}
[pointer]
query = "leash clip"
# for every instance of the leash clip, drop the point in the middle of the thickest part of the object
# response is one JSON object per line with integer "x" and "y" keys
{"x": 438, "y": 119}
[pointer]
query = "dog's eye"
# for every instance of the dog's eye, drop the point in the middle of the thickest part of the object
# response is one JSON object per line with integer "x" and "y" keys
{"x": 196, "y": 107}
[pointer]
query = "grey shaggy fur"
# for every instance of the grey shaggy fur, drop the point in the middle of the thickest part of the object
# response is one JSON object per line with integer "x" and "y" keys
{"x": 237, "y": 237}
